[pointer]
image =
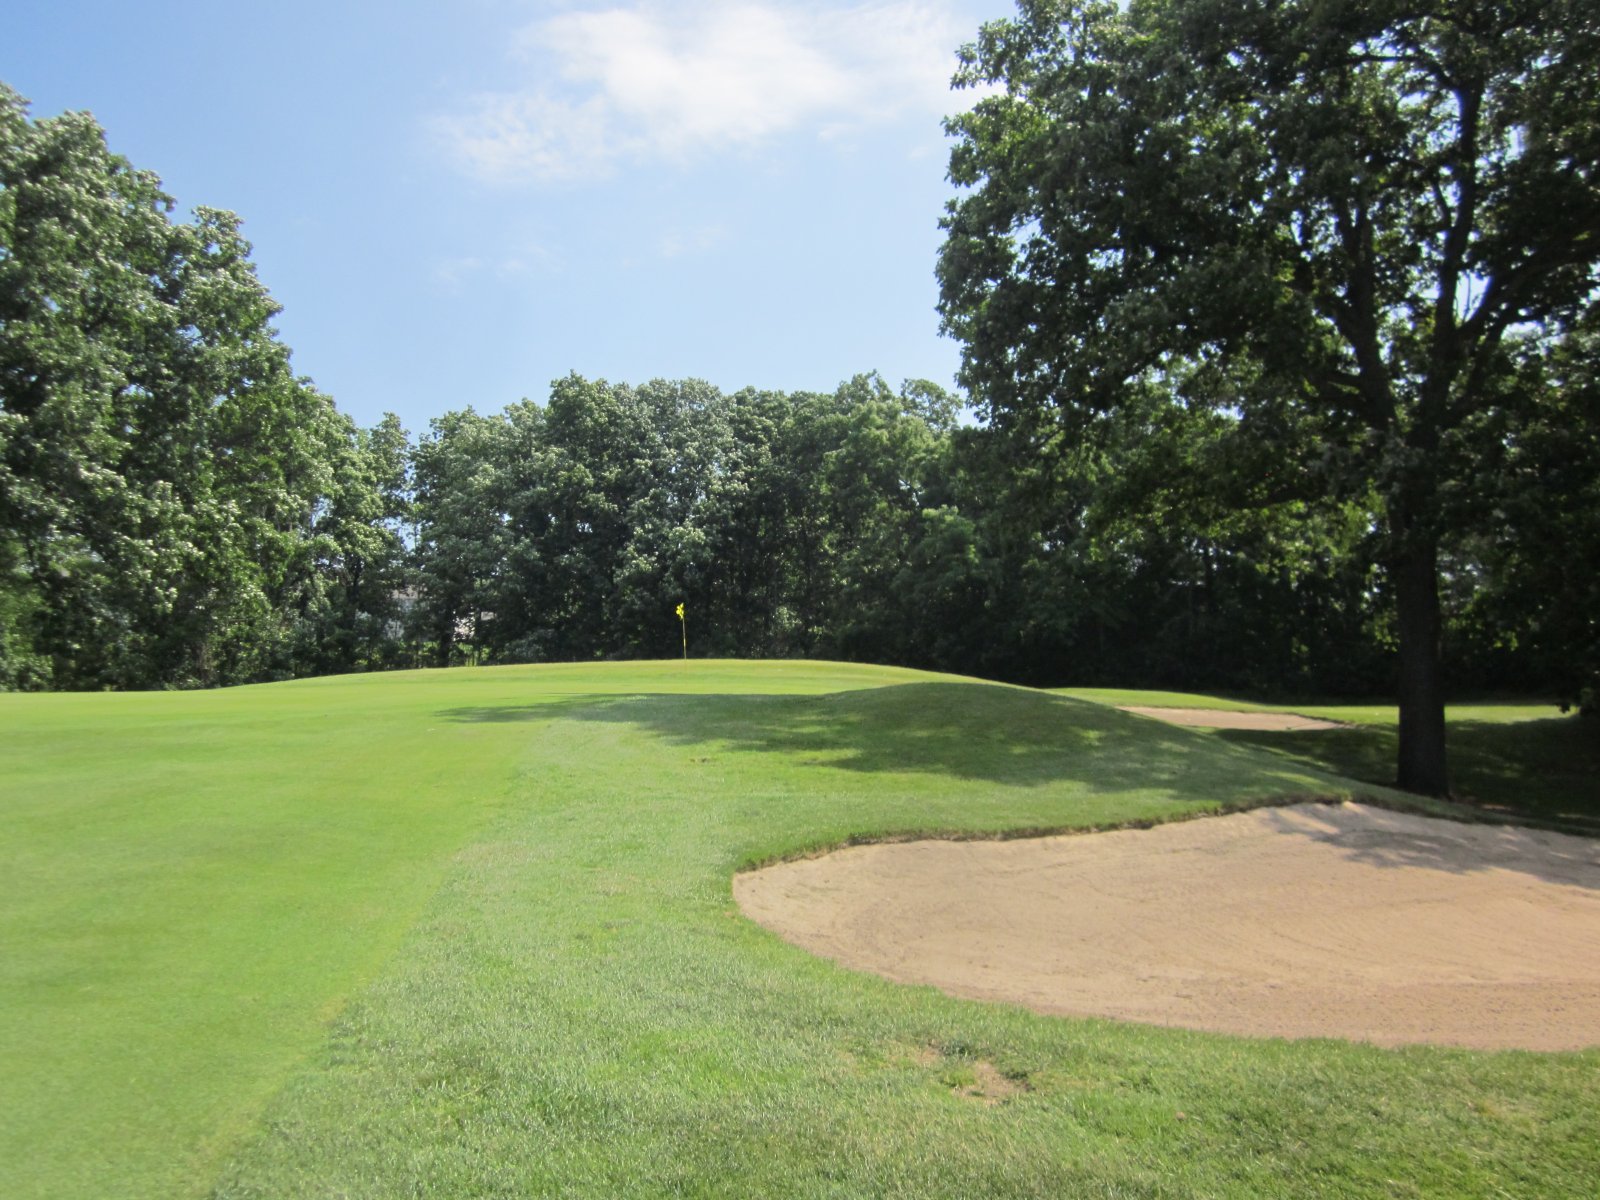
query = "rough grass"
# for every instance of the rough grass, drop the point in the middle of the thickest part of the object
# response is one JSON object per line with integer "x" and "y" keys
{"x": 470, "y": 933}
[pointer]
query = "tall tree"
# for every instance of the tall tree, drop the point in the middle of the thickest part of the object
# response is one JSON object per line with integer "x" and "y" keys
{"x": 461, "y": 528}
{"x": 1536, "y": 570}
{"x": 162, "y": 471}
{"x": 1338, "y": 216}
{"x": 350, "y": 615}
{"x": 87, "y": 264}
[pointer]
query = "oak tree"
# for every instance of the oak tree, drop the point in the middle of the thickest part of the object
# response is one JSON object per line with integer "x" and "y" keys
{"x": 1334, "y": 222}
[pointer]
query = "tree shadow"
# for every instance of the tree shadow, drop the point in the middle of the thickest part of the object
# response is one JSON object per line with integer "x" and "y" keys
{"x": 1546, "y": 771}
{"x": 1017, "y": 737}
{"x": 1388, "y": 839}
{"x": 969, "y": 731}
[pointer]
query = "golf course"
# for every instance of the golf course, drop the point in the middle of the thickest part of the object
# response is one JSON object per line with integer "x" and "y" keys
{"x": 472, "y": 933}
{"x": 835, "y": 599}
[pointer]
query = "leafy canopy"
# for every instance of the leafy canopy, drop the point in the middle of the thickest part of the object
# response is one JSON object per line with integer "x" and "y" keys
{"x": 1347, "y": 226}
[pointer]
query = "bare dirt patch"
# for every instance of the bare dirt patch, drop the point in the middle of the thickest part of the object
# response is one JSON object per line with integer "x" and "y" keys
{"x": 1218, "y": 718}
{"x": 986, "y": 1084}
{"x": 1310, "y": 921}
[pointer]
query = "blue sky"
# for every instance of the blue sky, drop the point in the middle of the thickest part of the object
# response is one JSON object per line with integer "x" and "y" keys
{"x": 456, "y": 203}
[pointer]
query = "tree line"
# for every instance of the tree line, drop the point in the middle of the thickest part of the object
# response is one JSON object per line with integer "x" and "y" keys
{"x": 871, "y": 524}
{"x": 178, "y": 509}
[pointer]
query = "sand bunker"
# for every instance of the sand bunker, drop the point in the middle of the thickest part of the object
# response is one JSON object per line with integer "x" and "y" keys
{"x": 1312, "y": 921}
{"x": 1218, "y": 718}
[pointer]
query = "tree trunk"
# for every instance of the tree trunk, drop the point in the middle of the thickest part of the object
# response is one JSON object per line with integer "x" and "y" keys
{"x": 1422, "y": 765}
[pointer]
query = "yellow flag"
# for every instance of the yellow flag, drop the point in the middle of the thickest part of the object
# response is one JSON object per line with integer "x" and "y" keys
{"x": 680, "y": 612}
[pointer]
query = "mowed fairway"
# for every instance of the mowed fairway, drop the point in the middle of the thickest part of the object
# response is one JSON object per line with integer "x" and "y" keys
{"x": 471, "y": 933}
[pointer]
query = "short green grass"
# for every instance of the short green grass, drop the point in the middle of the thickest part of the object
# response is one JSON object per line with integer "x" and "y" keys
{"x": 1158, "y": 699}
{"x": 470, "y": 933}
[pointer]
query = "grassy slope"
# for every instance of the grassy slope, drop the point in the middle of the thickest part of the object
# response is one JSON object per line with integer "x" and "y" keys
{"x": 509, "y": 895}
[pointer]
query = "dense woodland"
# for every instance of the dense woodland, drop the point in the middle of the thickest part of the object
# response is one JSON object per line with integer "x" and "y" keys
{"x": 178, "y": 509}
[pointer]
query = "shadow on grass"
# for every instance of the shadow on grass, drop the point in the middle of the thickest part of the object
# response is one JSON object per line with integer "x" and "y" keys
{"x": 966, "y": 731}
{"x": 1394, "y": 840}
{"x": 1018, "y": 738}
{"x": 1545, "y": 770}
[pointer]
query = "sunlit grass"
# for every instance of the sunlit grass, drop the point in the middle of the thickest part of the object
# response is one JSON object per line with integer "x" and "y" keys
{"x": 470, "y": 933}
{"x": 1134, "y": 697}
{"x": 1356, "y": 714}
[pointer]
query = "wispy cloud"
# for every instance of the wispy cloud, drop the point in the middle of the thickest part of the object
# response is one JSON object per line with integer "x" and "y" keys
{"x": 453, "y": 272}
{"x": 683, "y": 243}
{"x": 649, "y": 82}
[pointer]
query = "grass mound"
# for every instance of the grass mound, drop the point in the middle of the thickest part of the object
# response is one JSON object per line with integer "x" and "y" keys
{"x": 470, "y": 933}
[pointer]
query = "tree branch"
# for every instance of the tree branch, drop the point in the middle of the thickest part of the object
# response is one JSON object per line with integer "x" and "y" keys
{"x": 1446, "y": 350}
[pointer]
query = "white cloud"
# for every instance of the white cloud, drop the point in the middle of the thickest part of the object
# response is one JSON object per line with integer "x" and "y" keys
{"x": 652, "y": 82}
{"x": 454, "y": 272}
{"x": 681, "y": 243}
